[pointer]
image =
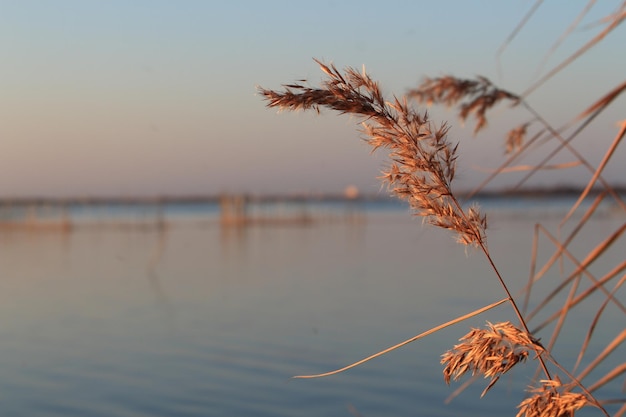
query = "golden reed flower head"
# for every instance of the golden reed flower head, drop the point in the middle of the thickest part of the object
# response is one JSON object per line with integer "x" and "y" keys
{"x": 480, "y": 95}
{"x": 490, "y": 352}
{"x": 552, "y": 399}
{"x": 422, "y": 159}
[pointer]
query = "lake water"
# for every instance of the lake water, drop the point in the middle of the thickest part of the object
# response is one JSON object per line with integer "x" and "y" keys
{"x": 194, "y": 319}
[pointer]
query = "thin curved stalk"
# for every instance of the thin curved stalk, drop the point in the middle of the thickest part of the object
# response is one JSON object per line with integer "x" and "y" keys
{"x": 406, "y": 342}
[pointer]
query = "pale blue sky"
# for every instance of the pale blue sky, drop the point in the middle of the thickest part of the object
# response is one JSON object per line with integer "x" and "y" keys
{"x": 159, "y": 97}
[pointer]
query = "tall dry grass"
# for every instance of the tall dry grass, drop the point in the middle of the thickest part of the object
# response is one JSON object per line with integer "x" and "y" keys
{"x": 421, "y": 169}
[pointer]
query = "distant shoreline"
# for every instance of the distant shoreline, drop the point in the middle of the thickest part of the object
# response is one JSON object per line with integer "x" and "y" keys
{"x": 536, "y": 192}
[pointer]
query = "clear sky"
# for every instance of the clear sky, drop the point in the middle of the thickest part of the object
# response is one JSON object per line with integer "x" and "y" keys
{"x": 155, "y": 97}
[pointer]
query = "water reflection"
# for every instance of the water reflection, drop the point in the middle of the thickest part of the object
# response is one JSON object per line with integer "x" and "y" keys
{"x": 187, "y": 317}
{"x": 233, "y": 240}
{"x": 160, "y": 246}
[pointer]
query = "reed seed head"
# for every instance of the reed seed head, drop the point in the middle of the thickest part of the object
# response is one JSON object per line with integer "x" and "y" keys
{"x": 477, "y": 96}
{"x": 552, "y": 399}
{"x": 490, "y": 352}
{"x": 422, "y": 161}
{"x": 515, "y": 138}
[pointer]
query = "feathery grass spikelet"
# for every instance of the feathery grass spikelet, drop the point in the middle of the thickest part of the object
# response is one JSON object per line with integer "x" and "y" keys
{"x": 515, "y": 138}
{"x": 422, "y": 159}
{"x": 490, "y": 352}
{"x": 480, "y": 95}
{"x": 552, "y": 399}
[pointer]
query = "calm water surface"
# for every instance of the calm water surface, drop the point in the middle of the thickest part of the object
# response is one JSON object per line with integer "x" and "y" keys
{"x": 198, "y": 320}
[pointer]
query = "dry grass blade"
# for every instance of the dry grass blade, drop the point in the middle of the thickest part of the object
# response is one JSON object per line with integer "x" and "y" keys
{"x": 560, "y": 247}
{"x": 598, "y": 284}
{"x": 581, "y": 267}
{"x": 587, "y": 117}
{"x": 607, "y": 156}
{"x": 512, "y": 158}
{"x": 564, "y": 144}
{"x": 600, "y": 249}
{"x": 594, "y": 323}
{"x": 614, "y": 20}
{"x": 567, "y": 32}
{"x": 519, "y": 27}
{"x": 406, "y": 342}
{"x": 603, "y": 102}
{"x": 564, "y": 311}
{"x": 606, "y": 352}
{"x": 533, "y": 267}
{"x": 611, "y": 375}
{"x": 621, "y": 411}
{"x": 585, "y": 218}
{"x": 519, "y": 168}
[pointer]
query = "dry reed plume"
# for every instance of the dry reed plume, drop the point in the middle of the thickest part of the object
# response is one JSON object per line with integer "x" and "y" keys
{"x": 421, "y": 169}
{"x": 477, "y": 96}
{"x": 422, "y": 159}
{"x": 551, "y": 399}
{"x": 490, "y": 352}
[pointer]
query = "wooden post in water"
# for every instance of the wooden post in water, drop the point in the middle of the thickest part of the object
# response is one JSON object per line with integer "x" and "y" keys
{"x": 233, "y": 209}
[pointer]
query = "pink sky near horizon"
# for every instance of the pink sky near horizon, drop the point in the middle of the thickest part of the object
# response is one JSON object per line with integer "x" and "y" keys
{"x": 159, "y": 98}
